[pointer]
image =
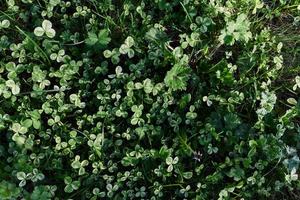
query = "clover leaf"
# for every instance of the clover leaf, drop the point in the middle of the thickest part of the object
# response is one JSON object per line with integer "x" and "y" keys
{"x": 170, "y": 162}
{"x": 15, "y": 88}
{"x": 22, "y": 177}
{"x": 45, "y": 29}
{"x": 71, "y": 185}
{"x": 4, "y": 24}
{"x": 126, "y": 47}
{"x": 238, "y": 30}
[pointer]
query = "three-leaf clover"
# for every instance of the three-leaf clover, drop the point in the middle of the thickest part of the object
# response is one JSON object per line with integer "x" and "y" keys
{"x": 126, "y": 47}
{"x": 138, "y": 110}
{"x": 17, "y": 128}
{"x": 204, "y": 23}
{"x": 15, "y": 88}
{"x": 22, "y": 177}
{"x": 12, "y": 69}
{"x": 212, "y": 149}
{"x": 170, "y": 161}
{"x": 76, "y": 164}
{"x": 238, "y": 30}
{"x": 191, "y": 114}
{"x": 45, "y": 29}
{"x": 59, "y": 56}
{"x": 71, "y": 185}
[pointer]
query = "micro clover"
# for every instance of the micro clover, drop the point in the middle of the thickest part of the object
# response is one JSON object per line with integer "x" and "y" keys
{"x": 170, "y": 162}
{"x": 22, "y": 177}
{"x": 15, "y": 88}
{"x": 71, "y": 185}
{"x": 126, "y": 47}
{"x": 45, "y": 29}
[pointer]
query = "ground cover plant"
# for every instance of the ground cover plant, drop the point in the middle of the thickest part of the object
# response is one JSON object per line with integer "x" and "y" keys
{"x": 149, "y": 99}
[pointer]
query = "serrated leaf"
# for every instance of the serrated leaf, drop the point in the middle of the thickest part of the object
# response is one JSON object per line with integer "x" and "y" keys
{"x": 92, "y": 39}
{"x": 103, "y": 37}
{"x": 177, "y": 77}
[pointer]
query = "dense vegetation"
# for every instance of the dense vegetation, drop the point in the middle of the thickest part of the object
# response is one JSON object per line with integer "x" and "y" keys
{"x": 149, "y": 99}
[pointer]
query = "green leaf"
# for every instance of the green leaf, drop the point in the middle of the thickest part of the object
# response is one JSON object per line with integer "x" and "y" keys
{"x": 21, "y": 176}
{"x": 19, "y": 139}
{"x": 50, "y": 33}
{"x": 92, "y": 39}
{"x": 10, "y": 83}
{"x": 36, "y": 124}
{"x": 11, "y": 66}
{"x": 68, "y": 189}
{"x": 107, "y": 53}
{"x": 76, "y": 185}
{"x": 177, "y": 77}
{"x": 5, "y": 23}
{"x": 39, "y": 31}
{"x": 35, "y": 114}
{"x": 15, "y": 89}
{"x": 46, "y": 25}
{"x": 75, "y": 164}
{"x": 16, "y": 127}
{"x": 134, "y": 121}
{"x": 123, "y": 49}
{"x": 27, "y": 123}
{"x": 148, "y": 86}
{"x": 54, "y": 2}
{"x": 130, "y": 53}
{"x": 169, "y": 160}
{"x": 129, "y": 41}
{"x": 170, "y": 168}
{"x": 22, "y": 183}
{"x": 187, "y": 175}
{"x": 23, "y": 130}
{"x": 258, "y": 5}
{"x": 103, "y": 37}
{"x": 81, "y": 171}
{"x": 238, "y": 30}
{"x": 292, "y": 101}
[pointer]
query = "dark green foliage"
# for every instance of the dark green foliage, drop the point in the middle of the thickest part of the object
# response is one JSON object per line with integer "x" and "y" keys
{"x": 150, "y": 99}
